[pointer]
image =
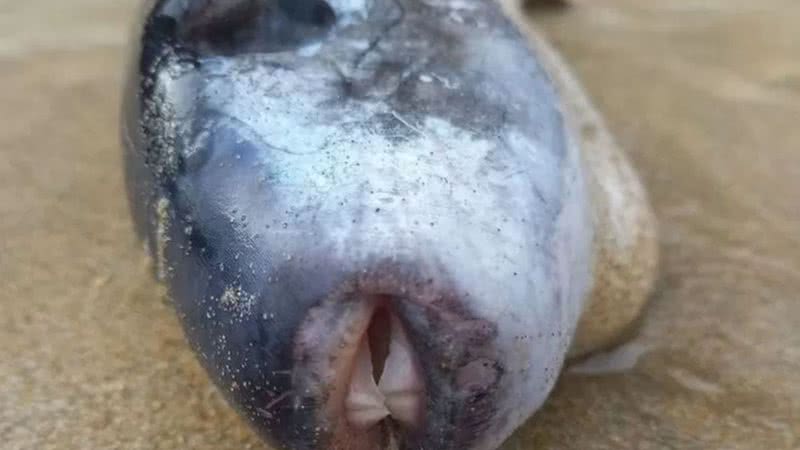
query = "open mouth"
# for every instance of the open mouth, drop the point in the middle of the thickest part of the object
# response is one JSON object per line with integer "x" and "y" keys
{"x": 362, "y": 369}
{"x": 385, "y": 382}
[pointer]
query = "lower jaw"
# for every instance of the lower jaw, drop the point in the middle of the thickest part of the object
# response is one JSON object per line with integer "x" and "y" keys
{"x": 385, "y": 435}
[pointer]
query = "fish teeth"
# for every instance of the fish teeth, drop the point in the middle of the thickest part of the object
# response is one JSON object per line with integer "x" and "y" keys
{"x": 365, "y": 404}
{"x": 401, "y": 382}
{"x": 397, "y": 393}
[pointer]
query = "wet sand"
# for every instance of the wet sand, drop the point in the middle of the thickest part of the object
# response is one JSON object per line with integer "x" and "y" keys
{"x": 705, "y": 94}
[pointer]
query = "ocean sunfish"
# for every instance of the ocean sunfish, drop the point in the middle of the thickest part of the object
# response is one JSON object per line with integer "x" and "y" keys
{"x": 384, "y": 224}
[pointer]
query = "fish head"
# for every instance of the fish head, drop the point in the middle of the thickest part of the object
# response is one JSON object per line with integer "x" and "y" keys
{"x": 370, "y": 241}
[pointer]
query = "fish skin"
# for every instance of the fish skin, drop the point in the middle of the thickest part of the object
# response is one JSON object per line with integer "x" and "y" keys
{"x": 391, "y": 154}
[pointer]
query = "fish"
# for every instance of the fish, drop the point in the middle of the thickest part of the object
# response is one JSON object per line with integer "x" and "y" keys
{"x": 382, "y": 223}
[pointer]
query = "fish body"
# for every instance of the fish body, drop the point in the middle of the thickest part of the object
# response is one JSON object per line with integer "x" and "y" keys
{"x": 372, "y": 216}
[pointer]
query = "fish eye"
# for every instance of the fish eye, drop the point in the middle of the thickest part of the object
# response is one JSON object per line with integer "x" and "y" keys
{"x": 317, "y": 12}
{"x": 231, "y": 27}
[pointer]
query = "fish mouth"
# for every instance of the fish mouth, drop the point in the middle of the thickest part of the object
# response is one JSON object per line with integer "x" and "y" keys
{"x": 359, "y": 364}
{"x": 385, "y": 377}
{"x": 392, "y": 360}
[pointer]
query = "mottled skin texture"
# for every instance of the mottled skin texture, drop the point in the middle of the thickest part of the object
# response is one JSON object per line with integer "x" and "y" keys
{"x": 282, "y": 182}
{"x": 625, "y": 245}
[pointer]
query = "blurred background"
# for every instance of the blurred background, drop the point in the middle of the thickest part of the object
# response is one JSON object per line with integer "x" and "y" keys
{"x": 705, "y": 95}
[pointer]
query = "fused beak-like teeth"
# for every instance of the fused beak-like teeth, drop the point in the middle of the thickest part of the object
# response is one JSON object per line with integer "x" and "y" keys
{"x": 365, "y": 403}
{"x": 396, "y": 391}
{"x": 400, "y": 381}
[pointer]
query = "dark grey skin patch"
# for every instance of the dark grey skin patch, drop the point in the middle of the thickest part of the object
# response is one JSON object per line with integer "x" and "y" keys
{"x": 284, "y": 161}
{"x": 235, "y": 26}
